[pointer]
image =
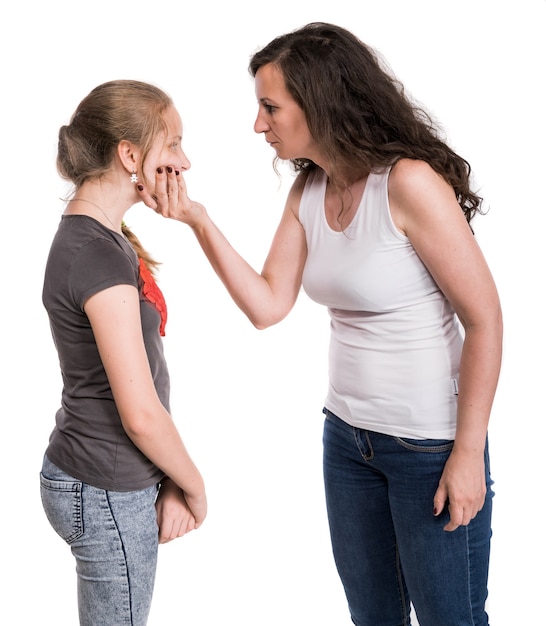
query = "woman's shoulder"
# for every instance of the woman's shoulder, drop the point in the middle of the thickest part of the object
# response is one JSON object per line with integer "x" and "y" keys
{"x": 411, "y": 178}
{"x": 407, "y": 172}
{"x": 414, "y": 189}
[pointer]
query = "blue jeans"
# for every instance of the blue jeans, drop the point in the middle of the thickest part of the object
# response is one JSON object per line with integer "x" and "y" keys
{"x": 389, "y": 548}
{"x": 114, "y": 538}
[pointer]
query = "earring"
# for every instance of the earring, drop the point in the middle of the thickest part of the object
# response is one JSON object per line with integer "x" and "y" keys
{"x": 134, "y": 177}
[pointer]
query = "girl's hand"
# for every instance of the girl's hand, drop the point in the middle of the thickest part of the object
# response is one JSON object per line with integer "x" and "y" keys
{"x": 170, "y": 198}
{"x": 198, "y": 506}
{"x": 174, "y": 516}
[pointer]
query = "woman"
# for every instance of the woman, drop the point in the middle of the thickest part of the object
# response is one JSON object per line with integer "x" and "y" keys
{"x": 114, "y": 442}
{"x": 376, "y": 228}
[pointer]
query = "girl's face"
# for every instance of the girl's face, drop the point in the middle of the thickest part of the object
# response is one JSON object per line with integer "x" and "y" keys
{"x": 280, "y": 118}
{"x": 167, "y": 148}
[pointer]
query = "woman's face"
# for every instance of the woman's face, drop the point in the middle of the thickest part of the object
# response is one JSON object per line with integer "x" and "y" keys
{"x": 167, "y": 148}
{"x": 280, "y": 118}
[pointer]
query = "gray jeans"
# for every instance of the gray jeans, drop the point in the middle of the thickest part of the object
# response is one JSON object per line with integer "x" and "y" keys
{"x": 114, "y": 537}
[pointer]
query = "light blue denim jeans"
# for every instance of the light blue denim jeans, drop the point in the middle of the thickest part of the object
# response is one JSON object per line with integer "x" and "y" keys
{"x": 388, "y": 546}
{"x": 114, "y": 537}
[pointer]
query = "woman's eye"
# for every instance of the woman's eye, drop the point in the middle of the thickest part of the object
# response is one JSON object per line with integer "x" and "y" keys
{"x": 270, "y": 108}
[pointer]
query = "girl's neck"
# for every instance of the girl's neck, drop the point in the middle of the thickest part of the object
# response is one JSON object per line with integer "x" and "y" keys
{"x": 96, "y": 202}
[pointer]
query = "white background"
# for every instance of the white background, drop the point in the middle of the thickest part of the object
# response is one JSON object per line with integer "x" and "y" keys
{"x": 248, "y": 402}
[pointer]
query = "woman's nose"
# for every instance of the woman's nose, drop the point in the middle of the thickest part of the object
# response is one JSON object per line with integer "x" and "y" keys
{"x": 260, "y": 125}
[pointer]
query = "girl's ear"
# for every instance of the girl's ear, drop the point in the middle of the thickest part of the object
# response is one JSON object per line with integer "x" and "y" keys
{"x": 129, "y": 155}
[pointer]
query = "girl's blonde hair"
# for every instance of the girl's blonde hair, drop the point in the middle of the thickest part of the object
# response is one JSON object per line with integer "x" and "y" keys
{"x": 112, "y": 112}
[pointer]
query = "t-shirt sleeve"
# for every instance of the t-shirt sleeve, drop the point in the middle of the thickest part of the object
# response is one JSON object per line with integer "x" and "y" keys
{"x": 99, "y": 265}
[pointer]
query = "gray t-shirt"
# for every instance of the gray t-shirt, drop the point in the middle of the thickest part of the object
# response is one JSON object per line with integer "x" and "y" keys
{"x": 88, "y": 441}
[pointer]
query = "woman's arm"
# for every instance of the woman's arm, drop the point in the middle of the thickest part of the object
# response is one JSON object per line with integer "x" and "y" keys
{"x": 265, "y": 298}
{"x": 424, "y": 207}
{"x": 114, "y": 315}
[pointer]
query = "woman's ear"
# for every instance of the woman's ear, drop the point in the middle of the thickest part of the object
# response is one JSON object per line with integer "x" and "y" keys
{"x": 129, "y": 155}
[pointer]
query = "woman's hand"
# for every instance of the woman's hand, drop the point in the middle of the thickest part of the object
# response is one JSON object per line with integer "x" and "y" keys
{"x": 174, "y": 516}
{"x": 170, "y": 198}
{"x": 462, "y": 488}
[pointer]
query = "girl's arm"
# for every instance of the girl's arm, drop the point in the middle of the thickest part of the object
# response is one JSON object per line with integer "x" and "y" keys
{"x": 424, "y": 207}
{"x": 114, "y": 314}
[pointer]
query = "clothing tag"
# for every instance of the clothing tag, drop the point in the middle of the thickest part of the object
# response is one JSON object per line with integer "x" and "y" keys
{"x": 455, "y": 384}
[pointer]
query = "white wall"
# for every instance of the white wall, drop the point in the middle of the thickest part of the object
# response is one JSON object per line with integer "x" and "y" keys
{"x": 249, "y": 403}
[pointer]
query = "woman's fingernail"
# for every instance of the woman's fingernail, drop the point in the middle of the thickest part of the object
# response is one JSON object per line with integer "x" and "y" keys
{"x": 169, "y": 169}
{"x": 160, "y": 170}
{"x": 140, "y": 187}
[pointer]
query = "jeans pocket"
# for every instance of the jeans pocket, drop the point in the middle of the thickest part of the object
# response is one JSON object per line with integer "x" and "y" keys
{"x": 62, "y": 502}
{"x": 431, "y": 446}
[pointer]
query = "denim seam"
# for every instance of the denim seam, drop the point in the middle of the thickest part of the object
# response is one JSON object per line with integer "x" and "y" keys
{"x": 370, "y": 454}
{"x": 127, "y": 578}
{"x": 469, "y": 575}
{"x": 400, "y": 578}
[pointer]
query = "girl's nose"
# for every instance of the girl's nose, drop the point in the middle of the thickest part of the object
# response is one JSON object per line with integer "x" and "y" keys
{"x": 185, "y": 162}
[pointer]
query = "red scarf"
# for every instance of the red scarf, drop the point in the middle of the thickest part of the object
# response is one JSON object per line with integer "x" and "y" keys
{"x": 153, "y": 294}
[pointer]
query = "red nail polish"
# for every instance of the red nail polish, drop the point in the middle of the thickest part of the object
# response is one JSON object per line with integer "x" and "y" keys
{"x": 160, "y": 170}
{"x": 140, "y": 187}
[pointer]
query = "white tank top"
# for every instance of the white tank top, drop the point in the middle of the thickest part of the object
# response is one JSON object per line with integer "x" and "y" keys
{"x": 395, "y": 343}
